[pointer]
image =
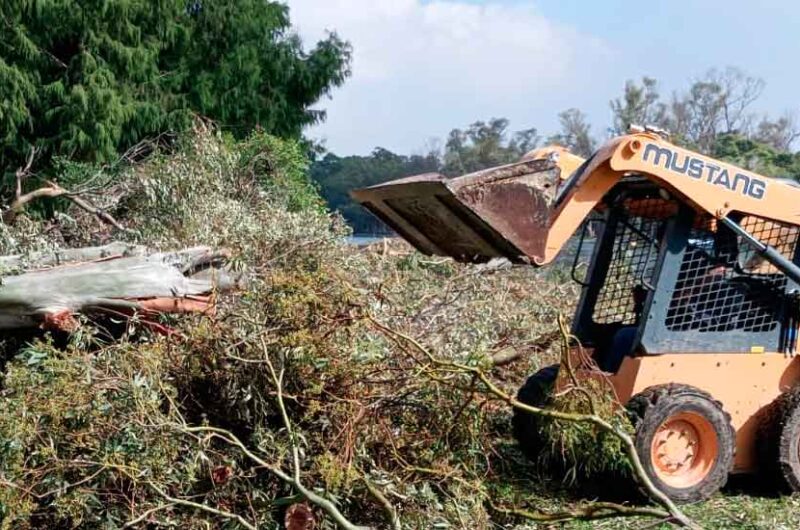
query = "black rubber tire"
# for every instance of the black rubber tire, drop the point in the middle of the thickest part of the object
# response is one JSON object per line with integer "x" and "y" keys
{"x": 649, "y": 409}
{"x": 781, "y": 443}
{"x": 536, "y": 392}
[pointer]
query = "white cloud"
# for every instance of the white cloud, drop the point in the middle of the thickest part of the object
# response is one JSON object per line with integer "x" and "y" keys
{"x": 422, "y": 68}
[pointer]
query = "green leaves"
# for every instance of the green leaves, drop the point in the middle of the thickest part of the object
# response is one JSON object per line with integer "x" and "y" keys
{"x": 757, "y": 156}
{"x": 479, "y": 146}
{"x": 87, "y": 78}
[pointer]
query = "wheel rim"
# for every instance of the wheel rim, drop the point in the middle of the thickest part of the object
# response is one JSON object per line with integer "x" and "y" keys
{"x": 684, "y": 450}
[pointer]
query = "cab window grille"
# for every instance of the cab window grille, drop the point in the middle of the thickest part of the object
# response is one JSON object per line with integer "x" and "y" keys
{"x": 637, "y": 238}
{"x": 723, "y": 285}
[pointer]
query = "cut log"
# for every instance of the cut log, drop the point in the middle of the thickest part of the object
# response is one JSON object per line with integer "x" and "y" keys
{"x": 118, "y": 280}
{"x": 37, "y": 260}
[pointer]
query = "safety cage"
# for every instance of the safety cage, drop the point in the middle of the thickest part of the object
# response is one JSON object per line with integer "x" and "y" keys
{"x": 663, "y": 278}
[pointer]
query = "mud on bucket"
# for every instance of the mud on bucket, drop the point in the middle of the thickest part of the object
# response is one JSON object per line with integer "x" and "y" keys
{"x": 499, "y": 212}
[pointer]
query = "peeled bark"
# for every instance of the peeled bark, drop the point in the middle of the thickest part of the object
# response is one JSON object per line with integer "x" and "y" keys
{"x": 115, "y": 279}
{"x": 37, "y": 260}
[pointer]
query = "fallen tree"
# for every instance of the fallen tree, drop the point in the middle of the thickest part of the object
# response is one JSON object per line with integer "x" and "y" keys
{"x": 116, "y": 279}
{"x": 190, "y": 430}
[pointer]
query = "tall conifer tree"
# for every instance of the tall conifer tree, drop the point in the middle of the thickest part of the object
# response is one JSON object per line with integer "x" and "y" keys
{"x": 87, "y": 78}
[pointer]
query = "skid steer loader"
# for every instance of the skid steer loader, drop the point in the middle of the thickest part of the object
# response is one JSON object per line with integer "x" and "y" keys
{"x": 689, "y": 305}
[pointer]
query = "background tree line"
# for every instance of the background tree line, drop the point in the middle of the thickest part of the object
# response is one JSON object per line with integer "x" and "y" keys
{"x": 714, "y": 116}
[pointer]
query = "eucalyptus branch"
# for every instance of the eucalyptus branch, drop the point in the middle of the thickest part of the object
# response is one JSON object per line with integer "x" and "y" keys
{"x": 53, "y": 191}
{"x": 321, "y": 502}
{"x": 391, "y": 513}
{"x": 292, "y": 479}
{"x": 591, "y": 512}
{"x": 203, "y": 507}
{"x": 492, "y": 389}
{"x": 146, "y": 514}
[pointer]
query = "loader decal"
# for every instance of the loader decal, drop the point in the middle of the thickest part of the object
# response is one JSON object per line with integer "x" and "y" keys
{"x": 697, "y": 168}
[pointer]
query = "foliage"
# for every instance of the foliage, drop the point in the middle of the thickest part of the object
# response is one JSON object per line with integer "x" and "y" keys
{"x": 583, "y": 451}
{"x": 337, "y": 176}
{"x": 483, "y": 145}
{"x": 280, "y": 168}
{"x": 74, "y": 417}
{"x": 779, "y": 134}
{"x": 87, "y": 78}
{"x": 639, "y": 105}
{"x": 88, "y": 428}
{"x": 757, "y": 156}
{"x": 199, "y": 191}
{"x": 480, "y": 146}
{"x": 575, "y": 133}
{"x": 242, "y": 66}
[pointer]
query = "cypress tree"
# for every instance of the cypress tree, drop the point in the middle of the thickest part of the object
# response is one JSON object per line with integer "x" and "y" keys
{"x": 85, "y": 79}
{"x": 244, "y": 67}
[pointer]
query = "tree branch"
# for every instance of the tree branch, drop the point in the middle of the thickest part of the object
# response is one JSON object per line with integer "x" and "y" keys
{"x": 141, "y": 518}
{"x": 324, "y": 504}
{"x": 52, "y": 190}
{"x": 592, "y": 512}
{"x": 203, "y": 507}
{"x": 294, "y": 479}
{"x": 492, "y": 389}
{"x": 391, "y": 513}
{"x": 23, "y": 172}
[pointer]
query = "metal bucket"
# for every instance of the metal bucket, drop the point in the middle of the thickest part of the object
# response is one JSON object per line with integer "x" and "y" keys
{"x": 499, "y": 212}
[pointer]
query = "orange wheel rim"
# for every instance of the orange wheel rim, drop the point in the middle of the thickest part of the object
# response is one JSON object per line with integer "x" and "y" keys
{"x": 684, "y": 450}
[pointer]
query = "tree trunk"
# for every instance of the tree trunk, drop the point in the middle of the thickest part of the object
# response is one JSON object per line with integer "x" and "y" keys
{"x": 114, "y": 279}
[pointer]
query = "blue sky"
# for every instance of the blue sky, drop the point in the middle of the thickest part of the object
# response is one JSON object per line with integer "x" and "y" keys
{"x": 673, "y": 39}
{"x": 422, "y": 67}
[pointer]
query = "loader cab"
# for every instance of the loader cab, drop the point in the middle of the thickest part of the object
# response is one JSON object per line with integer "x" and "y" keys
{"x": 664, "y": 278}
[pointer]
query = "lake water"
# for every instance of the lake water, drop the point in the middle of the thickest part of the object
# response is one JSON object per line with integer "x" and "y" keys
{"x": 360, "y": 239}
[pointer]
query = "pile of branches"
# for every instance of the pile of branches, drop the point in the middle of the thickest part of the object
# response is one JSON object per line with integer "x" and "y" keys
{"x": 340, "y": 388}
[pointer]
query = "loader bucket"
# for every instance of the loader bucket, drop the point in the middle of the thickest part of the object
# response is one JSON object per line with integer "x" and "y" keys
{"x": 499, "y": 212}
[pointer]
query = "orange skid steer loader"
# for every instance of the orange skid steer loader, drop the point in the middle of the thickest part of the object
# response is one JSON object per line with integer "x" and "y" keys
{"x": 689, "y": 304}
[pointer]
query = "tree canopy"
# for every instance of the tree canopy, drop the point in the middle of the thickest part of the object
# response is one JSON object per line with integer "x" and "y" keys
{"x": 337, "y": 176}
{"x": 483, "y": 144}
{"x": 575, "y": 133}
{"x": 758, "y": 156}
{"x": 715, "y": 106}
{"x": 713, "y": 116}
{"x": 85, "y": 79}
